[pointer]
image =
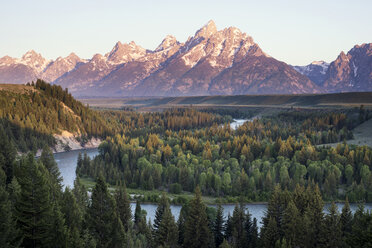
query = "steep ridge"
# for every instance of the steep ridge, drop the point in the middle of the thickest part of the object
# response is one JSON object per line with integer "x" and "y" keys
{"x": 212, "y": 62}
{"x": 351, "y": 71}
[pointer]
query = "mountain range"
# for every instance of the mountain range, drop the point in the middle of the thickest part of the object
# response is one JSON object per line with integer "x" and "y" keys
{"x": 212, "y": 62}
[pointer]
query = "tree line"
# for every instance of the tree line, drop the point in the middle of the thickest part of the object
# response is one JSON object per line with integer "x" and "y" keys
{"x": 31, "y": 117}
{"x": 36, "y": 212}
{"x": 246, "y": 162}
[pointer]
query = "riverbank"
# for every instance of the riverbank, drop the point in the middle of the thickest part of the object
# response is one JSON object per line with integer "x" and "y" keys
{"x": 67, "y": 142}
{"x": 152, "y": 196}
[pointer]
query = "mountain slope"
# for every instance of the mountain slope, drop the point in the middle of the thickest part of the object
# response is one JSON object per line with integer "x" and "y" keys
{"x": 212, "y": 62}
{"x": 351, "y": 71}
{"x": 203, "y": 63}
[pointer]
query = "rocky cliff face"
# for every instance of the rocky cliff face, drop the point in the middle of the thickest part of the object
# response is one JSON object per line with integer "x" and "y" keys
{"x": 351, "y": 71}
{"x": 211, "y": 62}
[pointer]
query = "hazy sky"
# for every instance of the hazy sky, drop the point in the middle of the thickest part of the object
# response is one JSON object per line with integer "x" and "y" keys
{"x": 297, "y": 32}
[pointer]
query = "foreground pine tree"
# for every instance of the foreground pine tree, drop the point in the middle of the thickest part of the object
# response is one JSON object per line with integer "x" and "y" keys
{"x": 163, "y": 203}
{"x": 8, "y": 230}
{"x": 47, "y": 159}
{"x": 167, "y": 233}
{"x": 34, "y": 209}
{"x": 123, "y": 206}
{"x": 197, "y": 233}
{"x": 346, "y": 222}
{"x": 102, "y": 217}
{"x": 218, "y": 226}
{"x": 333, "y": 234}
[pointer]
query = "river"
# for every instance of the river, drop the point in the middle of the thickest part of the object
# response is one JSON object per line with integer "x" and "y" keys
{"x": 67, "y": 162}
{"x": 238, "y": 122}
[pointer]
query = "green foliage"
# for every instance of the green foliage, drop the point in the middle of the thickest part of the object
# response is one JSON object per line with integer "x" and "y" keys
{"x": 102, "y": 217}
{"x": 8, "y": 229}
{"x": 123, "y": 206}
{"x": 197, "y": 233}
{"x": 30, "y": 118}
{"x": 34, "y": 208}
{"x": 218, "y": 227}
{"x": 247, "y": 162}
{"x": 167, "y": 233}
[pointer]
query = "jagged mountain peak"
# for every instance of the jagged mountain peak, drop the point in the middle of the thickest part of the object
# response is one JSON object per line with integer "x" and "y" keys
{"x": 168, "y": 41}
{"x": 225, "y": 61}
{"x": 98, "y": 57}
{"x": 35, "y": 60}
{"x": 73, "y": 56}
{"x": 122, "y": 52}
{"x": 343, "y": 56}
{"x": 351, "y": 71}
{"x": 31, "y": 53}
{"x": 207, "y": 30}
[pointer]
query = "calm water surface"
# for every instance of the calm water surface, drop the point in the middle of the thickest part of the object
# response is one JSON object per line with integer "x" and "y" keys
{"x": 67, "y": 162}
{"x": 67, "y": 165}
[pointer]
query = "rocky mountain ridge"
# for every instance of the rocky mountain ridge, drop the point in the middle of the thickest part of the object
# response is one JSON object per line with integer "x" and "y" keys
{"x": 212, "y": 62}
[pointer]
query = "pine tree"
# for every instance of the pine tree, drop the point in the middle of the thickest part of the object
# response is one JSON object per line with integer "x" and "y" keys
{"x": 333, "y": 234}
{"x": 218, "y": 226}
{"x": 137, "y": 213}
{"x": 123, "y": 206}
{"x": 238, "y": 234}
{"x": 197, "y": 233}
{"x": 58, "y": 232}
{"x": 118, "y": 237}
{"x": 251, "y": 231}
{"x": 167, "y": 233}
{"x": 50, "y": 164}
{"x": 291, "y": 224}
{"x": 314, "y": 217}
{"x": 80, "y": 193}
{"x": 184, "y": 213}
{"x": 253, "y": 235}
{"x": 101, "y": 214}
{"x": 361, "y": 230}
{"x": 346, "y": 222}
{"x": 8, "y": 231}
{"x": 159, "y": 211}
{"x": 34, "y": 208}
{"x": 14, "y": 190}
{"x": 73, "y": 218}
{"x": 229, "y": 228}
{"x": 271, "y": 234}
{"x": 7, "y": 155}
{"x": 224, "y": 244}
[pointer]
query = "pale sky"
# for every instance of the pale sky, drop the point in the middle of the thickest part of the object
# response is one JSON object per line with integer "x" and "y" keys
{"x": 296, "y": 32}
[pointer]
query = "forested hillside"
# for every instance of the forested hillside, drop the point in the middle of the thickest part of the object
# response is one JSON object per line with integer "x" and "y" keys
{"x": 31, "y": 114}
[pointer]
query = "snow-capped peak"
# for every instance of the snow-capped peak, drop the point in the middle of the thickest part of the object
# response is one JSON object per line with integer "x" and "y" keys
{"x": 320, "y": 62}
{"x": 207, "y": 30}
{"x": 167, "y": 42}
{"x": 34, "y": 60}
{"x": 122, "y": 53}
